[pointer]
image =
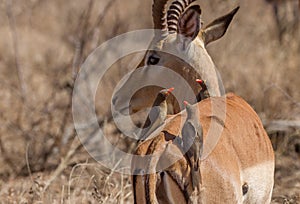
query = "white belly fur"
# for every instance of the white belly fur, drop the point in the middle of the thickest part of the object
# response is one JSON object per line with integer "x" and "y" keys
{"x": 260, "y": 179}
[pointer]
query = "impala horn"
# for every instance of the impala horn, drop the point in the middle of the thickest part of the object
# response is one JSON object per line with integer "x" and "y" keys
{"x": 177, "y": 8}
{"x": 159, "y": 15}
{"x": 166, "y": 14}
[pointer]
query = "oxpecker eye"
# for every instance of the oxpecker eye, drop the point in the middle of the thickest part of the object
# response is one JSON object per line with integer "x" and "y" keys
{"x": 153, "y": 60}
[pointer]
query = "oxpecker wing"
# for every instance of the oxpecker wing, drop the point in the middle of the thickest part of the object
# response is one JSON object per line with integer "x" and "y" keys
{"x": 192, "y": 137}
{"x": 157, "y": 114}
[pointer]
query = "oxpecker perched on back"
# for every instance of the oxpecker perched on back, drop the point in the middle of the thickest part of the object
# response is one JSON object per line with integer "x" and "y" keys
{"x": 192, "y": 139}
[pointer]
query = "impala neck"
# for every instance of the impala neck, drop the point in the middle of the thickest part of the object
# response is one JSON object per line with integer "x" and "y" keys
{"x": 203, "y": 64}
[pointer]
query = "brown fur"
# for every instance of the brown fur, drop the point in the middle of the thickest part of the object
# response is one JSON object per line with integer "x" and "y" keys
{"x": 198, "y": 64}
{"x": 243, "y": 144}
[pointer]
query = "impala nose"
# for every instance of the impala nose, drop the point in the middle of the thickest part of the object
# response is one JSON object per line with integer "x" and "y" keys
{"x": 245, "y": 188}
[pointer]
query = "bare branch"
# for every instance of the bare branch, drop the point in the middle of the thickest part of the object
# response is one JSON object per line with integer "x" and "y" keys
{"x": 289, "y": 97}
{"x": 64, "y": 163}
{"x": 101, "y": 17}
{"x": 6, "y": 158}
{"x": 80, "y": 44}
{"x": 281, "y": 125}
{"x": 13, "y": 29}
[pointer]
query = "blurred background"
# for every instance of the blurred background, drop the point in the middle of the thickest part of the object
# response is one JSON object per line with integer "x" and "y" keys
{"x": 42, "y": 45}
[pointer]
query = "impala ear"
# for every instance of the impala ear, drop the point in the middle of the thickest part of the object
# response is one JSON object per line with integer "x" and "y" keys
{"x": 218, "y": 27}
{"x": 189, "y": 24}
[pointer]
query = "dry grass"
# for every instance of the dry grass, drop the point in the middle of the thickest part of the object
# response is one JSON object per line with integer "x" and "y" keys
{"x": 42, "y": 45}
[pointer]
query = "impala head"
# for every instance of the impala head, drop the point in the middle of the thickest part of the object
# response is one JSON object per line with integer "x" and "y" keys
{"x": 179, "y": 45}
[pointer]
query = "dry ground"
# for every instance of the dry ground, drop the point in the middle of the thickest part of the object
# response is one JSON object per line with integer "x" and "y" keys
{"x": 42, "y": 45}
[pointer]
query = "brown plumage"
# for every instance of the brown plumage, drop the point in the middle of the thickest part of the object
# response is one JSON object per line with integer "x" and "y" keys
{"x": 182, "y": 20}
{"x": 157, "y": 114}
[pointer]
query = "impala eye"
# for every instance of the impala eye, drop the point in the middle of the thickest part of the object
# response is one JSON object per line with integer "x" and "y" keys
{"x": 153, "y": 60}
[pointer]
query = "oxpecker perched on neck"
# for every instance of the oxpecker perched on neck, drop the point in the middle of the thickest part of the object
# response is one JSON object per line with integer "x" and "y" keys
{"x": 157, "y": 114}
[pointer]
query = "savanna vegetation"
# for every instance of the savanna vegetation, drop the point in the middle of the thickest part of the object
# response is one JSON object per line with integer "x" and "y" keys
{"x": 43, "y": 44}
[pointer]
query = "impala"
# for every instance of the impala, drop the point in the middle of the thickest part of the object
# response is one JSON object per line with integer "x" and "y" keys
{"x": 179, "y": 46}
{"x": 239, "y": 169}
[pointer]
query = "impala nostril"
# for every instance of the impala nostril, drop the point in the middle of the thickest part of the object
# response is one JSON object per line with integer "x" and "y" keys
{"x": 245, "y": 188}
{"x": 297, "y": 148}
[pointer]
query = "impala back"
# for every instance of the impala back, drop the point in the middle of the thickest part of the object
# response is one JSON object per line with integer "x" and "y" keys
{"x": 242, "y": 159}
